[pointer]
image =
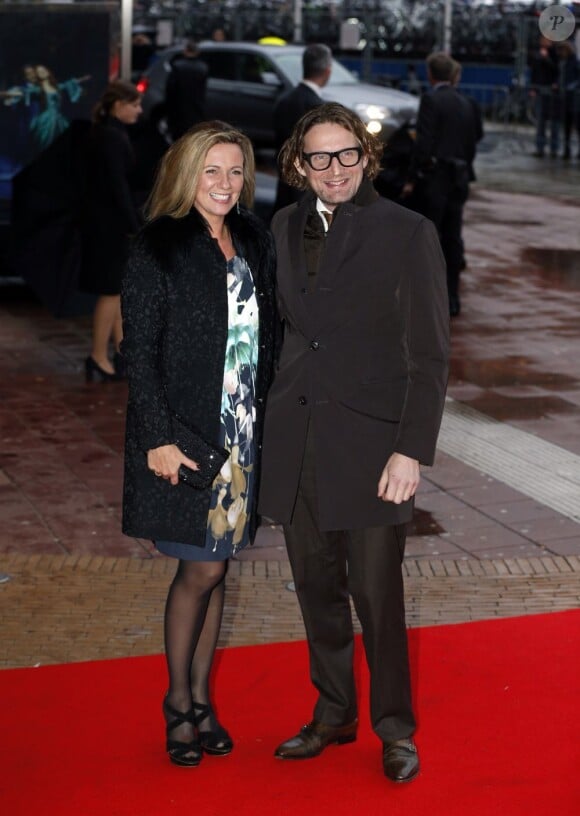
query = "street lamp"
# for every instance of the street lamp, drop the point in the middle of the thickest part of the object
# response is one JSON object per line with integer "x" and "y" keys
{"x": 126, "y": 29}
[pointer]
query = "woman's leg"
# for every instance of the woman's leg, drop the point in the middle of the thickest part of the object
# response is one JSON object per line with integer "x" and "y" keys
{"x": 189, "y": 610}
{"x": 105, "y": 318}
{"x": 185, "y": 617}
{"x": 118, "y": 327}
{"x": 204, "y": 653}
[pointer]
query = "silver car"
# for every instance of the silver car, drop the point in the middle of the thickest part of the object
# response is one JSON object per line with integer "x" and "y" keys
{"x": 245, "y": 79}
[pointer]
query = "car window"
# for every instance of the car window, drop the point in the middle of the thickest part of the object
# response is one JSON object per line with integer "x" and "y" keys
{"x": 340, "y": 76}
{"x": 221, "y": 65}
{"x": 252, "y": 66}
{"x": 291, "y": 65}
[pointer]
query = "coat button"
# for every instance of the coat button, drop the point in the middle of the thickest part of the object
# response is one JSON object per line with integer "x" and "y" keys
{"x": 315, "y": 345}
{"x": 302, "y": 400}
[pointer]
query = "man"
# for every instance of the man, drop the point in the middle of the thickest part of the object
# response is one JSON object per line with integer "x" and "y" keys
{"x": 544, "y": 90}
{"x": 316, "y": 69}
{"x": 185, "y": 90}
{"x": 441, "y": 163}
{"x": 354, "y": 408}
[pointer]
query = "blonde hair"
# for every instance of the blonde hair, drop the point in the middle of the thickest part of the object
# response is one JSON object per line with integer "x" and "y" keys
{"x": 328, "y": 113}
{"x": 178, "y": 176}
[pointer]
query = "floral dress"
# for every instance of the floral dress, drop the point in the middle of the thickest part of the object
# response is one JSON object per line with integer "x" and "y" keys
{"x": 227, "y": 528}
{"x": 233, "y": 487}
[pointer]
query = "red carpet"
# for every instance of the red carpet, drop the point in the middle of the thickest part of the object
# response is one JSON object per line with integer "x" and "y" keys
{"x": 498, "y": 704}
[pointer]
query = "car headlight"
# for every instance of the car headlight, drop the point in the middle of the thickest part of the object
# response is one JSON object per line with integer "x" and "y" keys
{"x": 374, "y": 127}
{"x": 372, "y": 112}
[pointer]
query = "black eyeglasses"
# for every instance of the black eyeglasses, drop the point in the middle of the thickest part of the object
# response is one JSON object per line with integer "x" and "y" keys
{"x": 348, "y": 157}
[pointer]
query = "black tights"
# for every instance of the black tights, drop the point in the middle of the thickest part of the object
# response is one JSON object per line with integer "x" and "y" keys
{"x": 193, "y": 616}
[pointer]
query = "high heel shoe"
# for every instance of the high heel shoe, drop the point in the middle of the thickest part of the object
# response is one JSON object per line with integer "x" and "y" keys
{"x": 94, "y": 372}
{"x": 216, "y": 742}
{"x": 185, "y": 754}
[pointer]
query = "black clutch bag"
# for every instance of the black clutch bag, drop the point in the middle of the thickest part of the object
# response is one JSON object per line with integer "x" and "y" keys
{"x": 209, "y": 458}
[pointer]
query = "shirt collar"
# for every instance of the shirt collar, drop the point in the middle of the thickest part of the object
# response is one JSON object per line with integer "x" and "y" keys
{"x": 313, "y": 86}
{"x": 321, "y": 208}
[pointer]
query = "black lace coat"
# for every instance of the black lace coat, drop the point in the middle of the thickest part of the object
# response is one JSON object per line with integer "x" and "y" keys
{"x": 175, "y": 324}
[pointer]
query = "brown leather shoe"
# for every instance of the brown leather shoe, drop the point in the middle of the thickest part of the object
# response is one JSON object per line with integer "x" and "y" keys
{"x": 400, "y": 760}
{"x": 313, "y": 739}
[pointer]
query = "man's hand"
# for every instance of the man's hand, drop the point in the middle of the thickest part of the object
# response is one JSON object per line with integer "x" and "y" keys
{"x": 165, "y": 462}
{"x": 400, "y": 479}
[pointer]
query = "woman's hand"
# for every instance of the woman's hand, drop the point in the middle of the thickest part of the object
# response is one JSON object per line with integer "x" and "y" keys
{"x": 165, "y": 462}
{"x": 399, "y": 479}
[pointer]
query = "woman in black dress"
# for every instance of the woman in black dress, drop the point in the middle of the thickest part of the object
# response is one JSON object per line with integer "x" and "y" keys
{"x": 200, "y": 336}
{"x": 109, "y": 219}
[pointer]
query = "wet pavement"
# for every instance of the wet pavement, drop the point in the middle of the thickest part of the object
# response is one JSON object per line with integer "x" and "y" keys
{"x": 497, "y": 526}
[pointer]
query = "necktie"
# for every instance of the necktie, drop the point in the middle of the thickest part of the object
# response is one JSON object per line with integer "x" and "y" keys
{"x": 328, "y": 217}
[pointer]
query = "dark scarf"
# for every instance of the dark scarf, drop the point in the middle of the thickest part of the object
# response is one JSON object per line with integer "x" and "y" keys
{"x": 315, "y": 235}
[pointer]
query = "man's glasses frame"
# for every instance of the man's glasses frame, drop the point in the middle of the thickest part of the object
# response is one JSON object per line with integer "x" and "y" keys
{"x": 338, "y": 154}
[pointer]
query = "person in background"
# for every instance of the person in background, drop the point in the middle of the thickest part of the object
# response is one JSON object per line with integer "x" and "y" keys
{"x": 142, "y": 51}
{"x": 200, "y": 330}
{"x": 544, "y": 90}
{"x": 355, "y": 406}
{"x": 569, "y": 74}
{"x": 316, "y": 70}
{"x": 441, "y": 164}
{"x": 413, "y": 83}
{"x": 479, "y": 134}
{"x": 109, "y": 219}
{"x": 185, "y": 90}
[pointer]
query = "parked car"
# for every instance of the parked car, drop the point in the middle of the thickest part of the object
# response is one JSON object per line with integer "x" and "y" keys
{"x": 245, "y": 79}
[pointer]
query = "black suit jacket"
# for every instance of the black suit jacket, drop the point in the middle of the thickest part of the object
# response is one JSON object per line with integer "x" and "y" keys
{"x": 185, "y": 94}
{"x": 290, "y": 107}
{"x": 288, "y": 110}
{"x": 446, "y": 130}
{"x": 364, "y": 359}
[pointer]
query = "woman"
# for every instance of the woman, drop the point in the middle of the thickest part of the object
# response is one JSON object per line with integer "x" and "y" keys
{"x": 109, "y": 219}
{"x": 200, "y": 331}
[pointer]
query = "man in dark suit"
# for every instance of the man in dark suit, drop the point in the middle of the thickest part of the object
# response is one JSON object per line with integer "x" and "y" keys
{"x": 441, "y": 163}
{"x": 316, "y": 69}
{"x": 185, "y": 91}
{"x": 544, "y": 76}
{"x": 354, "y": 408}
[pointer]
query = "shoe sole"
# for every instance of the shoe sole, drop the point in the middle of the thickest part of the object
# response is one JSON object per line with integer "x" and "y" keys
{"x": 216, "y": 752}
{"x": 181, "y": 764}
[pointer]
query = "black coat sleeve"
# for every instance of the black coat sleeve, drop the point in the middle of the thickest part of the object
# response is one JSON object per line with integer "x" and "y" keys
{"x": 144, "y": 308}
{"x": 424, "y": 301}
{"x": 424, "y": 149}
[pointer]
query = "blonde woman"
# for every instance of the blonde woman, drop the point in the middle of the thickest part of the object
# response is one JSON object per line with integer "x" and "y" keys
{"x": 200, "y": 331}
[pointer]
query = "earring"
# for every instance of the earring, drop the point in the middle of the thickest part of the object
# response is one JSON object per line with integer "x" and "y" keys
{"x": 238, "y": 207}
